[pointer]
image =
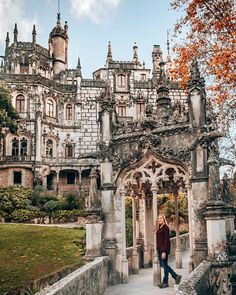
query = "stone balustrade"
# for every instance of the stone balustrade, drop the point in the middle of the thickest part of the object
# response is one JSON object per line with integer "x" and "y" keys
{"x": 90, "y": 279}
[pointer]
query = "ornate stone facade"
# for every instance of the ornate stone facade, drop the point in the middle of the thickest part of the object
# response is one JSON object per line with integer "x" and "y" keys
{"x": 137, "y": 131}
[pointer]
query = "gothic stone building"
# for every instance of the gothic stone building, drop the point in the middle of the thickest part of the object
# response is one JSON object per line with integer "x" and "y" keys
{"x": 131, "y": 127}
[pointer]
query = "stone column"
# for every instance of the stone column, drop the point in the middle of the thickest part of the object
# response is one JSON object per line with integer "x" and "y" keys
{"x": 178, "y": 256}
{"x": 135, "y": 266}
{"x": 124, "y": 262}
{"x": 156, "y": 262}
{"x": 191, "y": 236}
{"x": 145, "y": 246}
{"x": 57, "y": 182}
{"x": 38, "y": 134}
{"x": 108, "y": 233}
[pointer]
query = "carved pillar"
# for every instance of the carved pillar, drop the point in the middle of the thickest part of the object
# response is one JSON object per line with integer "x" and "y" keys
{"x": 93, "y": 202}
{"x": 178, "y": 256}
{"x": 124, "y": 261}
{"x": 156, "y": 262}
{"x": 191, "y": 235}
{"x": 135, "y": 266}
{"x": 108, "y": 233}
{"x": 57, "y": 182}
{"x": 145, "y": 238}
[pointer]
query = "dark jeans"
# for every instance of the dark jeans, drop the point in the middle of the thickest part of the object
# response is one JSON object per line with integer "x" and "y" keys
{"x": 166, "y": 267}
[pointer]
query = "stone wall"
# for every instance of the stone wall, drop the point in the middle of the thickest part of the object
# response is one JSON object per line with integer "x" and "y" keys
{"x": 197, "y": 282}
{"x": 90, "y": 279}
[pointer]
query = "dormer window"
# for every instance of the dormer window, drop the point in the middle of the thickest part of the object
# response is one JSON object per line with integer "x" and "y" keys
{"x": 143, "y": 77}
{"x": 24, "y": 68}
{"x": 121, "y": 80}
{"x": 69, "y": 151}
{"x": 140, "y": 109}
{"x": 20, "y": 103}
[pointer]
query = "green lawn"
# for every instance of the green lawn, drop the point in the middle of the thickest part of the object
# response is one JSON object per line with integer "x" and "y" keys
{"x": 28, "y": 253}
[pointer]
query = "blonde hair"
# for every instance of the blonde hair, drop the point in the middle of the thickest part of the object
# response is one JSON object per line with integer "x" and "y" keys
{"x": 164, "y": 218}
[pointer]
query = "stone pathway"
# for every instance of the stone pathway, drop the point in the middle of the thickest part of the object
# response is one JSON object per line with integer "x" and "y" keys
{"x": 141, "y": 284}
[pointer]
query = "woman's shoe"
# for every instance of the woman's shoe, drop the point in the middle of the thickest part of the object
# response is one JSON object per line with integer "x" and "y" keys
{"x": 178, "y": 279}
{"x": 162, "y": 286}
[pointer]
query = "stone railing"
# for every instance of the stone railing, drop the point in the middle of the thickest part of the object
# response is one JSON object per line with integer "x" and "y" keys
{"x": 197, "y": 282}
{"x": 90, "y": 279}
{"x": 184, "y": 243}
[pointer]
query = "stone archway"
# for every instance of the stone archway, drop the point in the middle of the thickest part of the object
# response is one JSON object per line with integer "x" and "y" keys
{"x": 143, "y": 181}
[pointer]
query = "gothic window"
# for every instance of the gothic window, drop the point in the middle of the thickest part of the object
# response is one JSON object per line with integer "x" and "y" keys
{"x": 23, "y": 147}
{"x": 15, "y": 147}
{"x": 122, "y": 111}
{"x": 69, "y": 112}
{"x": 20, "y": 103}
{"x": 140, "y": 108}
{"x": 70, "y": 177}
{"x": 69, "y": 151}
{"x": 49, "y": 108}
{"x": 121, "y": 80}
{"x": 49, "y": 148}
{"x": 17, "y": 177}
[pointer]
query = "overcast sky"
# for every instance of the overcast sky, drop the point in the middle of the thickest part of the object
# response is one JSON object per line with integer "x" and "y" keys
{"x": 92, "y": 23}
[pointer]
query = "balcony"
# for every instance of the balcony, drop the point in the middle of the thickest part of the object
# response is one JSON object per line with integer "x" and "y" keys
{"x": 14, "y": 159}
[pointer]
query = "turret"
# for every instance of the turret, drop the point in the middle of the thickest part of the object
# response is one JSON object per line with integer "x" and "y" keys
{"x": 34, "y": 35}
{"x": 156, "y": 60}
{"x": 58, "y": 46}
{"x": 15, "y": 32}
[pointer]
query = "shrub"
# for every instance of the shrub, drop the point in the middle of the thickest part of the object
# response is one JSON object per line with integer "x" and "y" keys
{"x": 23, "y": 215}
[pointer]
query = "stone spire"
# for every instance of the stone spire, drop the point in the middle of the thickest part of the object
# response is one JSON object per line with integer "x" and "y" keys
{"x": 15, "y": 32}
{"x": 34, "y": 35}
{"x": 2, "y": 67}
{"x": 7, "y": 42}
{"x": 109, "y": 53}
{"x": 168, "y": 58}
{"x": 78, "y": 68}
{"x": 135, "y": 57}
{"x": 156, "y": 59}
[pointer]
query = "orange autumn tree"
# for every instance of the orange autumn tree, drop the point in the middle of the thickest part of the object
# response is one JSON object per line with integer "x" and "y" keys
{"x": 209, "y": 31}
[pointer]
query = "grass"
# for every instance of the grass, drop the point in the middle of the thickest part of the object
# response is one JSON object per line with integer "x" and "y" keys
{"x": 28, "y": 253}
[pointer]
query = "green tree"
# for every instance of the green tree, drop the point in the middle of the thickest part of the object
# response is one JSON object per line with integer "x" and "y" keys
{"x": 8, "y": 114}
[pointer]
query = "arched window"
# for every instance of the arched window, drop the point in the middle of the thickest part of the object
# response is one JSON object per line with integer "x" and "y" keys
{"x": 49, "y": 148}
{"x": 15, "y": 147}
{"x": 69, "y": 109}
{"x": 49, "y": 108}
{"x": 20, "y": 103}
{"x": 121, "y": 80}
{"x": 23, "y": 147}
{"x": 140, "y": 107}
{"x": 69, "y": 151}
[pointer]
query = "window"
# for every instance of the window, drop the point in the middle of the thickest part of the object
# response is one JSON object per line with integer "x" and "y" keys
{"x": 122, "y": 111}
{"x": 69, "y": 112}
{"x": 15, "y": 147}
{"x": 20, "y": 103}
{"x": 143, "y": 77}
{"x": 23, "y": 147}
{"x": 140, "y": 108}
{"x": 17, "y": 177}
{"x": 69, "y": 151}
{"x": 70, "y": 177}
{"x": 49, "y": 108}
{"x": 24, "y": 68}
{"x": 121, "y": 80}
{"x": 49, "y": 148}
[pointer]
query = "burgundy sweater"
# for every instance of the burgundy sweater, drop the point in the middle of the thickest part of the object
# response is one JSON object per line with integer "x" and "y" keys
{"x": 163, "y": 239}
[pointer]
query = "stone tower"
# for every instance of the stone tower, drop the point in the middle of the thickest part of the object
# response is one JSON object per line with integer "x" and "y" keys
{"x": 58, "y": 47}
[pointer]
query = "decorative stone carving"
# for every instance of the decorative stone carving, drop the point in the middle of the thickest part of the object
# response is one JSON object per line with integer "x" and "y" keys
{"x": 220, "y": 279}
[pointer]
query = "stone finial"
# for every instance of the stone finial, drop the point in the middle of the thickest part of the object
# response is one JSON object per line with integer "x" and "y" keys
{"x": 7, "y": 41}
{"x": 66, "y": 27}
{"x": 34, "y": 34}
{"x": 15, "y": 33}
{"x": 135, "y": 57}
{"x": 195, "y": 76}
{"x": 109, "y": 53}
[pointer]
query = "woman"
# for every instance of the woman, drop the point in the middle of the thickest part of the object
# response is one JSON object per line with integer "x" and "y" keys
{"x": 163, "y": 250}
